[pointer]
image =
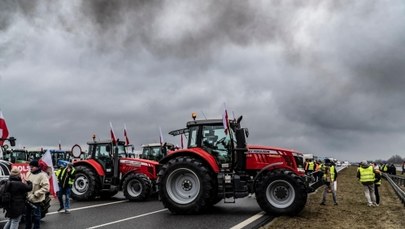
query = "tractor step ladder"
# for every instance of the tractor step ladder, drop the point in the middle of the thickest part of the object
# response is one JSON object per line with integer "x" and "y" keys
{"x": 228, "y": 189}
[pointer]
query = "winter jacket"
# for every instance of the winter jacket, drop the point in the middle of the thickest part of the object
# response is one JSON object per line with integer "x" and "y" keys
{"x": 18, "y": 192}
{"x": 40, "y": 186}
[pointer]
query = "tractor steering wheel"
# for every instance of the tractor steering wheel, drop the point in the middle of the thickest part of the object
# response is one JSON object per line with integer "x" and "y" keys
{"x": 221, "y": 141}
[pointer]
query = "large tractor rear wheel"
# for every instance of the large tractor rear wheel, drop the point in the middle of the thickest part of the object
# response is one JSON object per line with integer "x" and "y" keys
{"x": 281, "y": 192}
{"x": 137, "y": 187}
{"x": 185, "y": 186}
{"x": 86, "y": 184}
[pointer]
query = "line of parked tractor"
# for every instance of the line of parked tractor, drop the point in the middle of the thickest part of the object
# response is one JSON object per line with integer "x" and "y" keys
{"x": 216, "y": 165}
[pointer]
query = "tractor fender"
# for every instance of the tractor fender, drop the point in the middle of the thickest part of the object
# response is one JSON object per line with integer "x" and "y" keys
{"x": 92, "y": 164}
{"x": 272, "y": 166}
{"x": 196, "y": 153}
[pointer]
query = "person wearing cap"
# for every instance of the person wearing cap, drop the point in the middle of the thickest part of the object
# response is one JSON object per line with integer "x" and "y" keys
{"x": 65, "y": 179}
{"x": 329, "y": 176}
{"x": 40, "y": 186}
{"x": 18, "y": 190}
{"x": 366, "y": 175}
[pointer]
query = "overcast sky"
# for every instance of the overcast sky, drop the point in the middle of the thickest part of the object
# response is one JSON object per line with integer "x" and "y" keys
{"x": 322, "y": 77}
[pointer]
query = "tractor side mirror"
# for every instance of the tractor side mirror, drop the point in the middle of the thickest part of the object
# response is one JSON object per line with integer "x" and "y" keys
{"x": 76, "y": 151}
{"x": 12, "y": 141}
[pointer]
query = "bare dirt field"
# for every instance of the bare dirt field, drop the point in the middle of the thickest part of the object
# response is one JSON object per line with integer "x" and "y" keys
{"x": 352, "y": 211}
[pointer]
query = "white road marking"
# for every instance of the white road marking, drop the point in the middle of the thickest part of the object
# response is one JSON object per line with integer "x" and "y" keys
{"x": 90, "y": 206}
{"x": 248, "y": 221}
{"x": 126, "y": 219}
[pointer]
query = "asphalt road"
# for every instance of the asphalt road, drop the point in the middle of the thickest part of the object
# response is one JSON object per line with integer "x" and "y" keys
{"x": 119, "y": 213}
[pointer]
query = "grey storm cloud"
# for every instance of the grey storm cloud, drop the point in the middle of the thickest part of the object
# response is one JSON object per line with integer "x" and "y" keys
{"x": 322, "y": 77}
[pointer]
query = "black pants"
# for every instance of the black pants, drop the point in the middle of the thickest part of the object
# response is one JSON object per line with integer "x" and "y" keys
{"x": 377, "y": 194}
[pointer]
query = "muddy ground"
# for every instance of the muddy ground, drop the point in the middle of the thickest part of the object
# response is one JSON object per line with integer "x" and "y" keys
{"x": 352, "y": 211}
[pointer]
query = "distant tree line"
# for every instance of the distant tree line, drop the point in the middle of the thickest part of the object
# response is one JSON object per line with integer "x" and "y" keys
{"x": 396, "y": 159}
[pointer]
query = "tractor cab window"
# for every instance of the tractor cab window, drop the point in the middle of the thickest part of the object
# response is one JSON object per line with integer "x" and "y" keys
{"x": 101, "y": 152}
{"x": 18, "y": 157}
{"x": 217, "y": 142}
{"x": 192, "y": 140}
{"x": 152, "y": 153}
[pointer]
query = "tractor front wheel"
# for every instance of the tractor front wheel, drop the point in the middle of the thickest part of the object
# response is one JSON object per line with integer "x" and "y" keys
{"x": 86, "y": 185}
{"x": 137, "y": 187}
{"x": 281, "y": 192}
{"x": 185, "y": 186}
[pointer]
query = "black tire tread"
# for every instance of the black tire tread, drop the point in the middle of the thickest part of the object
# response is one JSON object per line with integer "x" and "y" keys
{"x": 205, "y": 198}
{"x": 299, "y": 187}
{"x": 146, "y": 187}
{"x": 94, "y": 184}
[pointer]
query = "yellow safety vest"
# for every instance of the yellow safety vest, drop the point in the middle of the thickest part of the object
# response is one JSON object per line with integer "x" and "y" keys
{"x": 367, "y": 174}
{"x": 330, "y": 175}
{"x": 311, "y": 165}
{"x": 57, "y": 173}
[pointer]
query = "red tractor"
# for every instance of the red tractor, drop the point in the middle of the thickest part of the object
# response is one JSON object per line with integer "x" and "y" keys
{"x": 219, "y": 165}
{"x": 108, "y": 170}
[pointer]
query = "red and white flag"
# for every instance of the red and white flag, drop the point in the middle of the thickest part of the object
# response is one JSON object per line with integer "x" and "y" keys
{"x": 126, "y": 135}
{"x": 161, "y": 137}
{"x": 3, "y": 128}
{"x": 113, "y": 138}
{"x": 53, "y": 181}
{"x": 225, "y": 120}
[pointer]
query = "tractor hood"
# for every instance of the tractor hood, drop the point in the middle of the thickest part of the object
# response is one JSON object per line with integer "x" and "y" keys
{"x": 138, "y": 161}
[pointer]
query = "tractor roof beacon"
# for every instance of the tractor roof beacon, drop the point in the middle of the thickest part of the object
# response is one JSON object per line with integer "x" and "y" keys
{"x": 108, "y": 169}
{"x": 219, "y": 165}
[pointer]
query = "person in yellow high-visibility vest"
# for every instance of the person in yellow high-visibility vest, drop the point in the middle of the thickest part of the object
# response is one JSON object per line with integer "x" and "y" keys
{"x": 366, "y": 175}
{"x": 65, "y": 179}
{"x": 329, "y": 176}
{"x": 310, "y": 167}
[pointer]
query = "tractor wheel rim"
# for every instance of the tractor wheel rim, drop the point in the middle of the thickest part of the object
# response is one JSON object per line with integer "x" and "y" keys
{"x": 280, "y": 193}
{"x": 183, "y": 186}
{"x": 134, "y": 188}
{"x": 81, "y": 184}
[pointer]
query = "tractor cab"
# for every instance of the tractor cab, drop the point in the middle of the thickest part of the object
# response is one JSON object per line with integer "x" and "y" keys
{"x": 16, "y": 155}
{"x": 103, "y": 152}
{"x": 155, "y": 151}
{"x": 60, "y": 158}
{"x": 35, "y": 154}
{"x": 227, "y": 146}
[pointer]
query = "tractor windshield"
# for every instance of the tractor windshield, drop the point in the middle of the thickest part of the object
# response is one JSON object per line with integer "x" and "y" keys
{"x": 154, "y": 153}
{"x": 17, "y": 156}
{"x": 217, "y": 142}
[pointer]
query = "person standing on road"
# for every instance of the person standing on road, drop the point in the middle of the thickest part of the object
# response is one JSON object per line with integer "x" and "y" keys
{"x": 329, "y": 176}
{"x": 40, "y": 187}
{"x": 366, "y": 176}
{"x": 18, "y": 190}
{"x": 65, "y": 179}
